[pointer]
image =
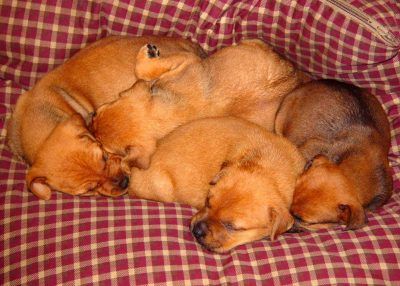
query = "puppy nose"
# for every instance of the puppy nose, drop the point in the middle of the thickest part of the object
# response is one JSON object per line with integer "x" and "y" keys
{"x": 123, "y": 184}
{"x": 199, "y": 230}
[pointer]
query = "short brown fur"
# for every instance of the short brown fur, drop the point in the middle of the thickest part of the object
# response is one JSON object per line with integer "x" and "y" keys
{"x": 47, "y": 113}
{"x": 248, "y": 80}
{"x": 343, "y": 132}
{"x": 252, "y": 174}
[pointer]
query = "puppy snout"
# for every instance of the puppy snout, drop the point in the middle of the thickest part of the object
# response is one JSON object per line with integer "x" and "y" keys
{"x": 124, "y": 182}
{"x": 199, "y": 230}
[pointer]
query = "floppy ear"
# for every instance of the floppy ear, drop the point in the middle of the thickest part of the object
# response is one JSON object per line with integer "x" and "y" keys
{"x": 280, "y": 222}
{"x": 38, "y": 185}
{"x": 352, "y": 215}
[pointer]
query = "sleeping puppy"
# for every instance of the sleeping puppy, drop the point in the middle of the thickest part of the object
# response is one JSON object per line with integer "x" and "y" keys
{"x": 48, "y": 130}
{"x": 239, "y": 176}
{"x": 343, "y": 133}
{"x": 248, "y": 80}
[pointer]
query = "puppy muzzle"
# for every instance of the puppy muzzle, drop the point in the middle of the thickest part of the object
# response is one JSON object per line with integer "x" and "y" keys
{"x": 199, "y": 231}
{"x": 124, "y": 183}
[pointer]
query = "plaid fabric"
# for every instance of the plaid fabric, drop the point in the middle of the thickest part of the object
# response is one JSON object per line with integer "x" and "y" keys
{"x": 79, "y": 241}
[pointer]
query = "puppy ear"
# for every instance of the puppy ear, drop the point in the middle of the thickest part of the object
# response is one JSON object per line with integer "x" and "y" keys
{"x": 220, "y": 174}
{"x": 38, "y": 185}
{"x": 352, "y": 215}
{"x": 280, "y": 222}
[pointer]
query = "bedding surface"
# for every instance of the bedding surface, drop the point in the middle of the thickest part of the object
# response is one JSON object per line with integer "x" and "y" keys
{"x": 103, "y": 241}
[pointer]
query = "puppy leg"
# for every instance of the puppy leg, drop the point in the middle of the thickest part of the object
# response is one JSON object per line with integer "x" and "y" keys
{"x": 152, "y": 65}
{"x": 151, "y": 184}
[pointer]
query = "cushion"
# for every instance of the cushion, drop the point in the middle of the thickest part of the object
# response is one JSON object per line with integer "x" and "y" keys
{"x": 96, "y": 240}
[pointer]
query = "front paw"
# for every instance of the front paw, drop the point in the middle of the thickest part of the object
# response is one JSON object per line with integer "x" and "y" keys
{"x": 152, "y": 51}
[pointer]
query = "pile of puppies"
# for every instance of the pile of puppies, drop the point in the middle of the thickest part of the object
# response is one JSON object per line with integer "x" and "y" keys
{"x": 240, "y": 135}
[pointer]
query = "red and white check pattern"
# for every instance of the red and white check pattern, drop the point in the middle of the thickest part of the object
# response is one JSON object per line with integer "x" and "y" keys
{"x": 82, "y": 241}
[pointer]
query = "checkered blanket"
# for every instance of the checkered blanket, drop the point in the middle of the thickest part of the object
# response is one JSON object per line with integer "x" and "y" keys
{"x": 82, "y": 241}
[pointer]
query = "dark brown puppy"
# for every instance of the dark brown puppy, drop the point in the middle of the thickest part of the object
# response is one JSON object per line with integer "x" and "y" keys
{"x": 47, "y": 128}
{"x": 344, "y": 134}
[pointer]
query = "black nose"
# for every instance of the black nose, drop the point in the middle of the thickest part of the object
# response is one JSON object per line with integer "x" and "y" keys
{"x": 123, "y": 184}
{"x": 200, "y": 230}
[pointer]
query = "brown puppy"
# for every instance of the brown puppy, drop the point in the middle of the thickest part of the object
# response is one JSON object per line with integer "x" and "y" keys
{"x": 344, "y": 134}
{"x": 252, "y": 174}
{"x": 248, "y": 81}
{"x": 44, "y": 131}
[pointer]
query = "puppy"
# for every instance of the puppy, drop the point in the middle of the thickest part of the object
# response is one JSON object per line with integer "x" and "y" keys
{"x": 343, "y": 133}
{"x": 237, "y": 174}
{"x": 248, "y": 81}
{"x": 46, "y": 131}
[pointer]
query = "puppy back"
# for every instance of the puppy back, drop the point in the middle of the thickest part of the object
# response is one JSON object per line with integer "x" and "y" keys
{"x": 353, "y": 130}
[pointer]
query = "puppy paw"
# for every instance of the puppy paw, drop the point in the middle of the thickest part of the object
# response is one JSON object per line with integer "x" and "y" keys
{"x": 152, "y": 51}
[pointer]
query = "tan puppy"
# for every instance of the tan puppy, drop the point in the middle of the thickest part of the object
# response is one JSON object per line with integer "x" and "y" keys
{"x": 252, "y": 174}
{"x": 73, "y": 162}
{"x": 344, "y": 135}
{"x": 248, "y": 81}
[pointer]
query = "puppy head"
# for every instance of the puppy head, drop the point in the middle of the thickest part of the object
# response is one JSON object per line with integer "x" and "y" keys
{"x": 240, "y": 208}
{"x": 125, "y": 127}
{"x": 324, "y": 198}
{"x": 73, "y": 162}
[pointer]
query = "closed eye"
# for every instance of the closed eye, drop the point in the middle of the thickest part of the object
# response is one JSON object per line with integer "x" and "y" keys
{"x": 231, "y": 227}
